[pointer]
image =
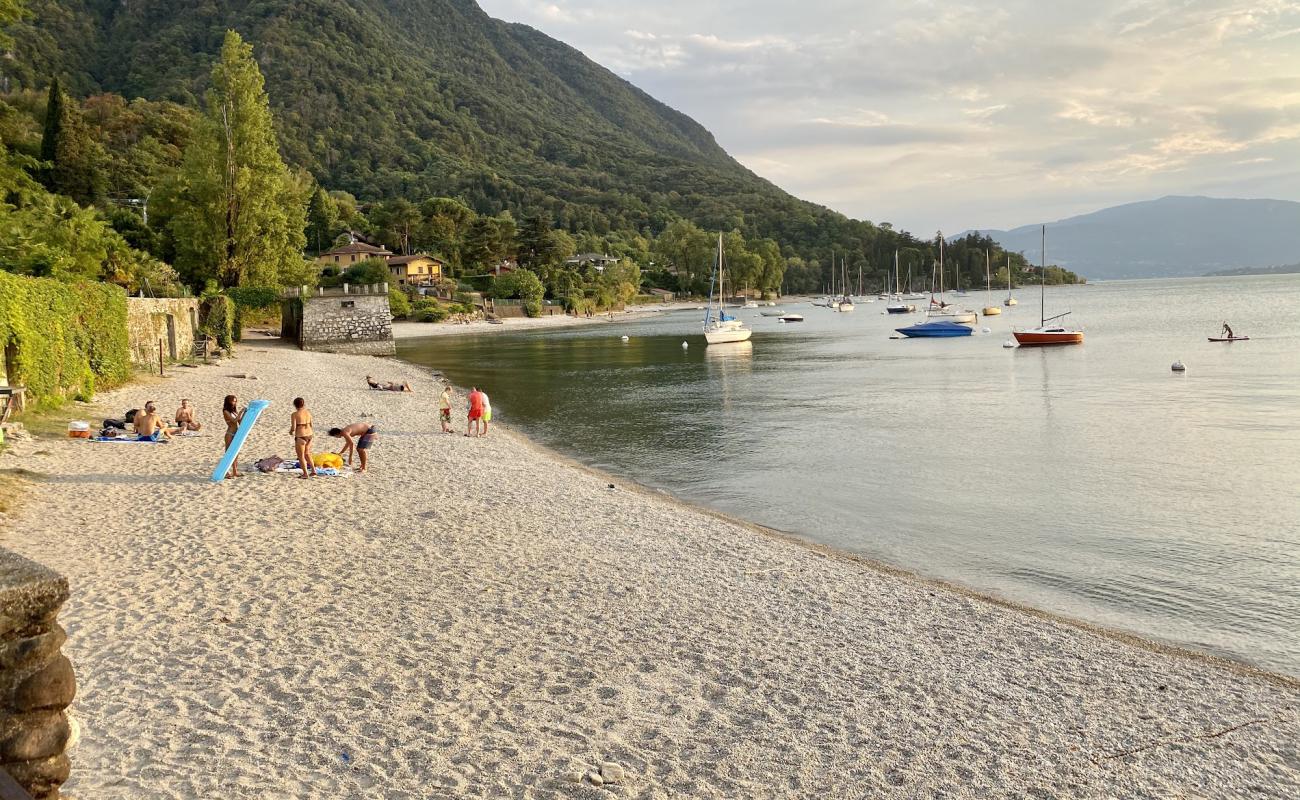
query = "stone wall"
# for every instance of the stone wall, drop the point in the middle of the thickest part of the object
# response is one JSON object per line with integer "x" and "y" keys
{"x": 357, "y": 321}
{"x": 172, "y": 320}
{"x": 36, "y": 680}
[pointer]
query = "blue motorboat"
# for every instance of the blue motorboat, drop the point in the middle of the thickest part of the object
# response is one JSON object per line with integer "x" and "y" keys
{"x": 936, "y": 329}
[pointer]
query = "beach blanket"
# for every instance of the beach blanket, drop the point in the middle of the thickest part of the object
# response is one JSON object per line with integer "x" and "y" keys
{"x": 130, "y": 438}
{"x": 324, "y": 472}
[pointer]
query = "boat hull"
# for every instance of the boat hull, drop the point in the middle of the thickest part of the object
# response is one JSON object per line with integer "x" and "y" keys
{"x": 1010, "y": 301}
{"x": 992, "y": 311}
{"x": 727, "y": 335}
{"x": 1046, "y": 338}
{"x": 935, "y": 330}
{"x": 1229, "y": 338}
{"x": 792, "y": 318}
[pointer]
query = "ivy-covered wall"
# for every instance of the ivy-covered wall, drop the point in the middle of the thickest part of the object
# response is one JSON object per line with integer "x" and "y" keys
{"x": 62, "y": 339}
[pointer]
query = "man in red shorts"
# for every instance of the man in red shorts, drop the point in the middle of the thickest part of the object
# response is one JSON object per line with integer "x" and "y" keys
{"x": 475, "y": 411}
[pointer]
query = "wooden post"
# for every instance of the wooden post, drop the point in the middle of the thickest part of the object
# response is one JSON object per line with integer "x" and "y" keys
{"x": 160, "y": 359}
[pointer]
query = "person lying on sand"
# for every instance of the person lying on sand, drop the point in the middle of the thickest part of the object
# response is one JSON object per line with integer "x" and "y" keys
{"x": 387, "y": 386}
{"x": 358, "y": 437}
{"x": 149, "y": 426}
{"x": 185, "y": 417}
{"x": 300, "y": 427}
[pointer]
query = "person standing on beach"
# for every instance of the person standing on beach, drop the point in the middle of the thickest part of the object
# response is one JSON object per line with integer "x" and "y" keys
{"x": 358, "y": 437}
{"x": 233, "y": 416}
{"x": 487, "y": 414}
{"x": 475, "y": 411}
{"x": 444, "y": 408}
{"x": 300, "y": 427}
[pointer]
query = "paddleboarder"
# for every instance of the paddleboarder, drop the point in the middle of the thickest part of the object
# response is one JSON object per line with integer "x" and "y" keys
{"x": 1227, "y": 330}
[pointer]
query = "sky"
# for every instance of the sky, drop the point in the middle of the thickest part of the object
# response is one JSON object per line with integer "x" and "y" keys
{"x": 958, "y": 115}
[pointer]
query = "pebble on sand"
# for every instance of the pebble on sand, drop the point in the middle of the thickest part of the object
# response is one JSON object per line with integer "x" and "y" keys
{"x": 595, "y": 779}
{"x": 611, "y": 772}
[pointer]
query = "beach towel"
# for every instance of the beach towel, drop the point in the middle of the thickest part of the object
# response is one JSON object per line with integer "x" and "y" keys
{"x": 269, "y": 464}
{"x": 324, "y": 472}
{"x": 130, "y": 438}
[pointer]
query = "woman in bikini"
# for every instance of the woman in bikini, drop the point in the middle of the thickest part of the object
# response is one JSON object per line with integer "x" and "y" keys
{"x": 233, "y": 416}
{"x": 300, "y": 427}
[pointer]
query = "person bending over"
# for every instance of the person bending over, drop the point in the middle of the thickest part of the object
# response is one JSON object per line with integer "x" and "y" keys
{"x": 300, "y": 427}
{"x": 358, "y": 437}
{"x": 387, "y": 386}
{"x": 185, "y": 420}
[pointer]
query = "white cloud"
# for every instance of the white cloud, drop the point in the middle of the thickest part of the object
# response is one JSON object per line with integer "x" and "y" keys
{"x": 970, "y": 113}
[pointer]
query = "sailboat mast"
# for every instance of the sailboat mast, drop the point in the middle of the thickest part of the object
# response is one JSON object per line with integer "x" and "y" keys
{"x": 988, "y": 278}
{"x": 1042, "y": 280}
{"x": 941, "y": 263}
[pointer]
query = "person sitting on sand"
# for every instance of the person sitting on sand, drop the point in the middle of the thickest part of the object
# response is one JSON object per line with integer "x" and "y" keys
{"x": 387, "y": 386}
{"x": 475, "y": 411}
{"x": 444, "y": 409}
{"x": 358, "y": 437}
{"x": 149, "y": 426}
{"x": 185, "y": 417}
{"x": 233, "y": 415}
{"x": 300, "y": 427}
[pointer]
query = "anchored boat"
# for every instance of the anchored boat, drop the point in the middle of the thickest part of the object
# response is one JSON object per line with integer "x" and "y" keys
{"x": 1046, "y": 334}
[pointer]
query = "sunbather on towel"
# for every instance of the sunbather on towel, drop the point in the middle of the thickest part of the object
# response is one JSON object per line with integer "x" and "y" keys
{"x": 387, "y": 386}
{"x": 185, "y": 417}
{"x": 149, "y": 426}
{"x": 358, "y": 437}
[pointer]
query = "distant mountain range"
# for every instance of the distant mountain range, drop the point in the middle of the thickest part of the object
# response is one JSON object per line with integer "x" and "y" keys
{"x": 1285, "y": 269}
{"x": 1172, "y": 236}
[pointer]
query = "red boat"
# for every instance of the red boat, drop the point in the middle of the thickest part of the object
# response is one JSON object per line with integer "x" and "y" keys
{"x": 1046, "y": 334}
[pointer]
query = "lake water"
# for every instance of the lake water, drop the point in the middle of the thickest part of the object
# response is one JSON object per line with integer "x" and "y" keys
{"x": 1090, "y": 480}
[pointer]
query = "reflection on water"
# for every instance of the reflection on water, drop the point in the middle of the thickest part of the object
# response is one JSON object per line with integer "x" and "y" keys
{"x": 1087, "y": 480}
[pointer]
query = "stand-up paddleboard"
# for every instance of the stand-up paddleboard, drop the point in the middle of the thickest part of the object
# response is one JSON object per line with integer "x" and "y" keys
{"x": 1229, "y": 338}
{"x": 254, "y": 410}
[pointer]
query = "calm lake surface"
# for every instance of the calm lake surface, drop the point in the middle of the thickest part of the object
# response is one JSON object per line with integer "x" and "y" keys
{"x": 1089, "y": 481}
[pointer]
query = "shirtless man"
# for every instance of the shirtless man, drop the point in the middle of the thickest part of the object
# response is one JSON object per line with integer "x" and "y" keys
{"x": 358, "y": 437}
{"x": 475, "y": 411}
{"x": 149, "y": 426}
{"x": 444, "y": 409}
{"x": 300, "y": 428}
{"x": 185, "y": 417}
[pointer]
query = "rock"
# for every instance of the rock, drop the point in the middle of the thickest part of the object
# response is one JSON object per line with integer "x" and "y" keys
{"x": 18, "y": 653}
{"x": 611, "y": 772}
{"x": 573, "y": 777}
{"x": 35, "y": 736}
{"x": 595, "y": 779}
{"x": 52, "y": 686}
{"x": 41, "y": 778}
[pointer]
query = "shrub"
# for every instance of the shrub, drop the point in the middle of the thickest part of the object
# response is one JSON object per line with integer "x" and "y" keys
{"x": 399, "y": 303}
{"x": 524, "y": 285}
{"x": 67, "y": 338}
{"x": 217, "y": 312}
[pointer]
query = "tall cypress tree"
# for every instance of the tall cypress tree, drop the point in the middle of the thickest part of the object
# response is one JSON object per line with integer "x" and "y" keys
{"x": 240, "y": 217}
{"x": 53, "y": 132}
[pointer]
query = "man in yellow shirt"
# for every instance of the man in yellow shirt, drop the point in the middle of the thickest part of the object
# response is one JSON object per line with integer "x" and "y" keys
{"x": 444, "y": 408}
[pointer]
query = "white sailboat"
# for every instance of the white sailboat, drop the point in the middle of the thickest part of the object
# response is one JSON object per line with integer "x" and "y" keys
{"x": 722, "y": 329}
{"x": 845, "y": 303}
{"x": 990, "y": 310}
{"x": 898, "y": 307}
{"x": 1010, "y": 301}
{"x": 942, "y": 308}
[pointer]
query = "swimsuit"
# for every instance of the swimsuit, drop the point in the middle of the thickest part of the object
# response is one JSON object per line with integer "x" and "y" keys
{"x": 367, "y": 439}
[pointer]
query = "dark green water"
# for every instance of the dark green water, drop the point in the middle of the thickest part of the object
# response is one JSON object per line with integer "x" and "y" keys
{"x": 1090, "y": 481}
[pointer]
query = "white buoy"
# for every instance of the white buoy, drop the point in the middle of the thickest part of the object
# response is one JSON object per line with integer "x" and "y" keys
{"x": 1178, "y": 366}
{"x": 896, "y": 336}
{"x": 986, "y": 330}
{"x": 1008, "y": 343}
{"x": 625, "y": 338}
{"x": 685, "y": 345}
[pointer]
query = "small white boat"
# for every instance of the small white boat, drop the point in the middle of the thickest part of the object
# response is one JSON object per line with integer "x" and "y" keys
{"x": 771, "y": 312}
{"x": 722, "y": 329}
{"x": 845, "y": 304}
{"x": 792, "y": 317}
{"x": 750, "y": 304}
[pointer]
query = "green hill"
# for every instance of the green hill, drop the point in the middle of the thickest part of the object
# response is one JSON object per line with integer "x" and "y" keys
{"x": 421, "y": 98}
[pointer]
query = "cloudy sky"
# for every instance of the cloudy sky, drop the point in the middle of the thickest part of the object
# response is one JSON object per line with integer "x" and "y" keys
{"x": 968, "y": 114}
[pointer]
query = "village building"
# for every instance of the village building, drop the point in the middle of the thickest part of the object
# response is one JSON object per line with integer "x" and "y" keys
{"x": 597, "y": 260}
{"x": 420, "y": 269}
{"x": 351, "y": 253}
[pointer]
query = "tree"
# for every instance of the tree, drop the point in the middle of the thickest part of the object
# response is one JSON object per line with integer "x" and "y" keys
{"x": 322, "y": 220}
{"x": 73, "y": 156}
{"x": 240, "y": 216}
{"x": 522, "y": 284}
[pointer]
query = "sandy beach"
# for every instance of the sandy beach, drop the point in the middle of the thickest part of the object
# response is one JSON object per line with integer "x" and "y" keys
{"x": 482, "y": 618}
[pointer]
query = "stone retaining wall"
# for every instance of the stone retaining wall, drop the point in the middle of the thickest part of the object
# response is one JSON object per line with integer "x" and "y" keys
{"x": 171, "y": 320}
{"x": 359, "y": 322}
{"x": 36, "y": 679}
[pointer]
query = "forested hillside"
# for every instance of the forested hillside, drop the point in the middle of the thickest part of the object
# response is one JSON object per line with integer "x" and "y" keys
{"x": 424, "y": 124}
